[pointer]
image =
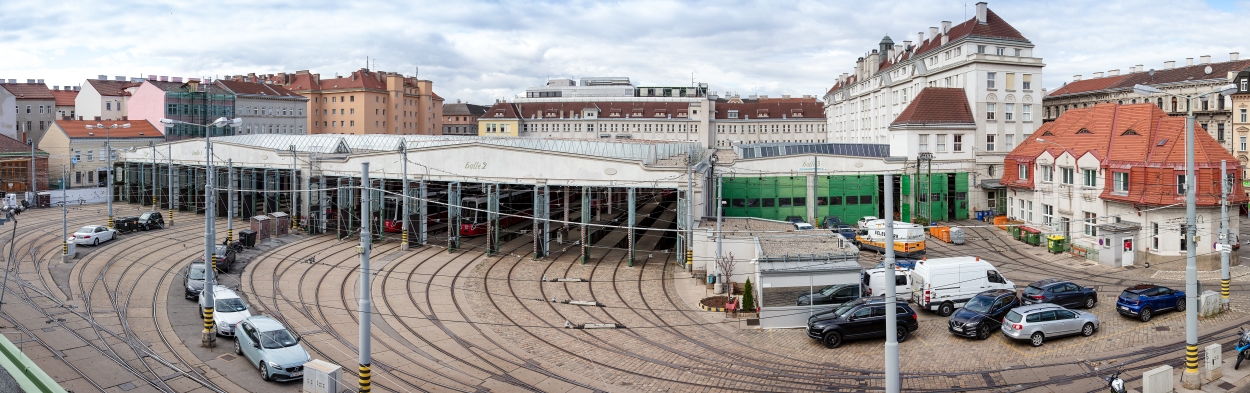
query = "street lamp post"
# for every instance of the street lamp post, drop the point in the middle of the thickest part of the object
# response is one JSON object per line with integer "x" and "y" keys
{"x": 208, "y": 338}
{"x": 108, "y": 167}
{"x": 1190, "y": 378}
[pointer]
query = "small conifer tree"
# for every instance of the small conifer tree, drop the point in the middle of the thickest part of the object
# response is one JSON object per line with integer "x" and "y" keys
{"x": 748, "y": 297}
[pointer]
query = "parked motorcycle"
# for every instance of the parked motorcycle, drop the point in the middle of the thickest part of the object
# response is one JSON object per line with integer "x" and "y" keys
{"x": 1243, "y": 347}
{"x": 1115, "y": 383}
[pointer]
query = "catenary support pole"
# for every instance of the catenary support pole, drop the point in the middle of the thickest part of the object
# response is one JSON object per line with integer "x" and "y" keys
{"x": 631, "y": 205}
{"x": 366, "y": 303}
{"x": 453, "y": 216}
{"x": 210, "y": 244}
{"x": 546, "y": 217}
{"x": 423, "y": 212}
{"x": 536, "y": 210}
{"x": 891, "y": 311}
{"x": 64, "y": 214}
{"x": 294, "y": 186}
{"x": 1225, "y": 233}
{"x": 172, "y": 198}
{"x": 1190, "y": 378}
{"x": 108, "y": 182}
{"x": 155, "y": 178}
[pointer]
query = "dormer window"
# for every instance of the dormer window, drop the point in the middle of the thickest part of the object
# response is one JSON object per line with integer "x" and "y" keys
{"x": 761, "y": 113}
{"x": 659, "y": 113}
{"x": 733, "y": 114}
{"x": 796, "y": 113}
{"x": 615, "y": 113}
{"x": 1084, "y": 131}
{"x": 1130, "y": 132}
{"x": 499, "y": 113}
{"x": 550, "y": 113}
{"x": 637, "y": 112}
{"x": 681, "y": 113}
{"x": 590, "y": 114}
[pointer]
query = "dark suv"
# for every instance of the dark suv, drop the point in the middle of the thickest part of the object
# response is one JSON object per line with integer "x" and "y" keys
{"x": 151, "y": 220}
{"x": 861, "y": 318}
{"x": 833, "y": 294}
{"x": 1144, "y": 300}
{"x": 983, "y": 314}
{"x": 1061, "y": 292}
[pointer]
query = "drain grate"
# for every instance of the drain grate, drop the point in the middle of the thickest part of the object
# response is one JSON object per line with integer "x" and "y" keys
{"x": 49, "y": 329}
{"x": 1163, "y": 328}
{"x": 227, "y": 357}
{"x": 127, "y": 386}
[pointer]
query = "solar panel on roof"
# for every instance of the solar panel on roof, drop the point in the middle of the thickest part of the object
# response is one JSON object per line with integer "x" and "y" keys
{"x": 1162, "y": 141}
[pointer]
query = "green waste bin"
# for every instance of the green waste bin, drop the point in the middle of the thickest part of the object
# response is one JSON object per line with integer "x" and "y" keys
{"x": 1015, "y": 231}
{"x": 1033, "y": 237}
{"x": 1055, "y": 243}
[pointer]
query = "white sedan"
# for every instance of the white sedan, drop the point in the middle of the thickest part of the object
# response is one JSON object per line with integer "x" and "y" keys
{"x": 94, "y": 235}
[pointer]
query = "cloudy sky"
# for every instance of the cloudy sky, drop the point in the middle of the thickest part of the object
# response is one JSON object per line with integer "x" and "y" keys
{"x": 479, "y": 51}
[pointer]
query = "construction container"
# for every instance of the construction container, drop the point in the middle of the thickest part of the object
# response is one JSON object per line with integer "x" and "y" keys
{"x": 1031, "y": 236}
{"x": 956, "y": 236}
{"x": 1000, "y": 222}
{"x": 281, "y": 223}
{"x": 942, "y": 233}
{"x": 262, "y": 225}
{"x": 1055, "y": 243}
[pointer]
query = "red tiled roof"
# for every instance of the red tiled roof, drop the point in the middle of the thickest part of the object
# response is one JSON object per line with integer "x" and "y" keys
{"x": 252, "y": 88}
{"x": 29, "y": 91}
{"x": 805, "y": 108}
{"x": 1154, "y": 151}
{"x": 64, "y": 97}
{"x": 503, "y": 110}
{"x": 994, "y": 27}
{"x": 1175, "y": 75}
{"x": 463, "y": 108}
{"x": 937, "y": 105}
{"x": 639, "y": 110}
{"x": 359, "y": 79}
{"x": 10, "y": 145}
{"x": 109, "y": 88}
{"x": 137, "y": 129}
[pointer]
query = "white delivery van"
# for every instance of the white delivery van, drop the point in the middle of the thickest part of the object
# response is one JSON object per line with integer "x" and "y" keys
{"x": 944, "y": 284}
{"x": 873, "y": 283}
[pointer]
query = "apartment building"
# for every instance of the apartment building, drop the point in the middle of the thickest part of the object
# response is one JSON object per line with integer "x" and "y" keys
{"x": 1111, "y": 178}
{"x": 985, "y": 57}
{"x": 65, "y": 97}
{"x": 363, "y": 102}
{"x": 34, "y": 109}
{"x": 266, "y": 108}
{"x": 104, "y": 98}
{"x": 80, "y": 145}
{"x": 461, "y": 118}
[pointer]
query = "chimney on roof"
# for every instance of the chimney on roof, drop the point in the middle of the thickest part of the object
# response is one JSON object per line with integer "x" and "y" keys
{"x": 1076, "y": 78}
{"x": 164, "y": 78}
{"x": 177, "y": 79}
{"x": 907, "y": 45}
{"x": 102, "y": 77}
{"x": 982, "y": 8}
{"x": 56, "y": 88}
{"x": 30, "y": 81}
{"x": 1098, "y": 74}
{"x": 152, "y": 77}
{"x": 919, "y": 38}
{"x": 119, "y": 78}
{"x": 1132, "y": 69}
{"x": 933, "y": 33}
{"x": 77, "y": 88}
{"x": 1141, "y": 67}
{"x": 40, "y": 81}
{"x": 1189, "y": 61}
{"x": 12, "y": 80}
{"x": 946, "y": 26}
{"x": 1205, "y": 59}
{"x": 1170, "y": 64}
{"x": 1233, "y": 56}
{"x": 1115, "y": 72}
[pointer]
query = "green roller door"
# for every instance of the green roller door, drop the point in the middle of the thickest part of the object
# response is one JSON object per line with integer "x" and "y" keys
{"x": 848, "y": 197}
{"x": 773, "y": 198}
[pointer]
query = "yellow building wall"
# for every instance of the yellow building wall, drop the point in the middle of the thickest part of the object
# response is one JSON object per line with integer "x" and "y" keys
{"x": 503, "y": 128}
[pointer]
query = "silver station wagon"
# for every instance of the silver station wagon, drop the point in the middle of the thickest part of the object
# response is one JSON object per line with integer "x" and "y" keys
{"x": 1039, "y": 322}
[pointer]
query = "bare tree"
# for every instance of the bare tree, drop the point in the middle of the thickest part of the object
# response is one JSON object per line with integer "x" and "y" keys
{"x": 726, "y": 266}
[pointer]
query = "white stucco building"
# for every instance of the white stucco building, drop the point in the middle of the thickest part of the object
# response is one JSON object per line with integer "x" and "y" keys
{"x": 985, "y": 56}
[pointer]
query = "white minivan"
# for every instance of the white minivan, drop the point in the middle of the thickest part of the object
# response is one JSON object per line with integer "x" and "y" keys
{"x": 873, "y": 283}
{"x": 944, "y": 284}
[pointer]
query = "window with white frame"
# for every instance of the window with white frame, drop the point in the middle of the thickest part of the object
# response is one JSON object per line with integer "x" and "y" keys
{"x": 958, "y": 140}
{"x": 989, "y": 111}
{"x": 941, "y": 143}
{"x": 989, "y": 143}
{"x": 1023, "y": 171}
{"x": 1243, "y": 141}
{"x": 1026, "y": 112}
{"x": 1067, "y": 175}
{"x": 1048, "y": 173}
{"x": 924, "y": 142}
{"x": 1090, "y": 177}
{"x": 1009, "y": 111}
{"x": 1010, "y": 141}
{"x": 1121, "y": 181}
{"x": 1091, "y": 220}
{"x": 989, "y": 80}
{"x": 1048, "y": 214}
{"x": 1180, "y": 184}
{"x": 1027, "y": 81}
{"x": 1029, "y": 217}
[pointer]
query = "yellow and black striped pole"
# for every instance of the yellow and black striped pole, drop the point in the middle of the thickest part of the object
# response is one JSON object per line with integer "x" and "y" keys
{"x": 214, "y": 263}
{"x": 1191, "y": 359}
{"x": 111, "y": 222}
{"x": 364, "y": 378}
{"x": 229, "y": 235}
{"x": 1224, "y": 290}
{"x": 689, "y": 257}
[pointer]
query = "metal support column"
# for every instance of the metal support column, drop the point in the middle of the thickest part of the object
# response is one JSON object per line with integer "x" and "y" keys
{"x": 1225, "y": 234}
{"x": 366, "y": 303}
{"x": 681, "y": 227}
{"x": 230, "y": 202}
{"x": 492, "y": 219}
{"x": 566, "y": 209}
{"x": 629, "y": 195}
{"x": 541, "y": 223}
{"x": 453, "y": 216}
{"x": 173, "y": 198}
{"x": 423, "y": 213}
{"x": 891, "y": 312}
{"x": 405, "y": 225}
{"x": 585, "y": 254}
{"x": 294, "y": 186}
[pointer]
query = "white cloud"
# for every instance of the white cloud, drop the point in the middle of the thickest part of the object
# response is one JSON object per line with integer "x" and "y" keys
{"x": 482, "y": 50}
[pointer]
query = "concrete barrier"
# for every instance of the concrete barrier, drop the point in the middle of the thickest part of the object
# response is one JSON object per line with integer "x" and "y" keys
{"x": 1158, "y": 380}
{"x": 1209, "y": 304}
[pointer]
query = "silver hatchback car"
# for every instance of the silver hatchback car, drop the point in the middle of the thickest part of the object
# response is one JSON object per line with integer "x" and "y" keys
{"x": 1038, "y": 322}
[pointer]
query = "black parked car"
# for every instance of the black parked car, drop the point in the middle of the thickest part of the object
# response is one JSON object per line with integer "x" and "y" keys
{"x": 1061, "y": 292}
{"x": 832, "y": 222}
{"x": 861, "y": 318}
{"x": 151, "y": 220}
{"x": 833, "y": 294}
{"x": 983, "y": 314}
{"x": 126, "y": 224}
{"x": 795, "y": 219}
{"x": 225, "y": 256}
{"x": 193, "y": 280}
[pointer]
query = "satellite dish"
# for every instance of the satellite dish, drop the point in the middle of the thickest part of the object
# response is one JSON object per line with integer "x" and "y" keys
{"x": 1152, "y": 72}
{"x": 1207, "y": 70}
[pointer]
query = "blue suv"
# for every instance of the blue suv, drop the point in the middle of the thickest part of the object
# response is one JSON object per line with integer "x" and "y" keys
{"x": 1144, "y": 300}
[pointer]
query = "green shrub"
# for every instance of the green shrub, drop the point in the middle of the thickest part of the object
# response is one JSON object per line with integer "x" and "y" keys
{"x": 748, "y": 297}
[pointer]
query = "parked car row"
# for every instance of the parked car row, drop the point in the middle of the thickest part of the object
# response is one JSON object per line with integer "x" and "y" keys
{"x": 93, "y": 235}
{"x": 261, "y": 340}
{"x": 979, "y": 302}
